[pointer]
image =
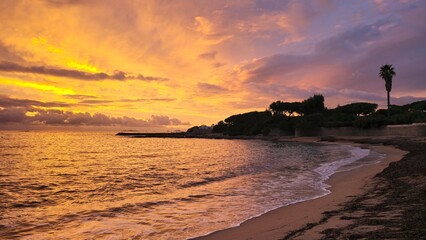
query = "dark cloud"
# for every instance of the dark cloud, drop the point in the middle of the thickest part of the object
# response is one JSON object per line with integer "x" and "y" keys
{"x": 350, "y": 41}
{"x": 8, "y": 54}
{"x": 80, "y": 96}
{"x": 305, "y": 8}
{"x": 50, "y": 117}
{"x": 157, "y": 99}
{"x": 7, "y": 102}
{"x": 12, "y": 115}
{"x": 406, "y": 100}
{"x": 355, "y": 95}
{"x": 327, "y": 52}
{"x": 79, "y": 118}
{"x": 218, "y": 64}
{"x": 208, "y": 55}
{"x": 348, "y": 61}
{"x": 207, "y": 88}
{"x": 276, "y": 67}
{"x": 6, "y": 66}
{"x": 147, "y": 78}
{"x": 165, "y": 120}
{"x": 31, "y": 112}
{"x": 95, "y": 102}
{"x": 333, "y": 96}
{"x": 406, "y": 55}
{"x": 65, "y": 2}
{"x": 351, "y": 95}
{"x": 105, "y": 101}
{"x": 59, "y": 117}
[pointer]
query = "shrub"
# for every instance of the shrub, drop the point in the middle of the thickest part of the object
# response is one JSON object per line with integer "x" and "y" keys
{"x": 373, "y": 121}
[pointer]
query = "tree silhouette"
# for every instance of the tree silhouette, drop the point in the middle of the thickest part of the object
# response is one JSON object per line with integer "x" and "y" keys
{"x": 314, "y": 104}
{"x": 358, "y": 109}
{"x": 387, "y": 72}
{"x": 277, "y": 107}
{"x": 287, "y": 108}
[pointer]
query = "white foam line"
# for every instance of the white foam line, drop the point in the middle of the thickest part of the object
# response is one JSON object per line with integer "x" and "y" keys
{"x": 357, "y": 154}
{"x": 264, "y": 212}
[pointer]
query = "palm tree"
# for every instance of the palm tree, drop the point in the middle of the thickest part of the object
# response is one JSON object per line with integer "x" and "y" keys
{"x": 387, "y": 73}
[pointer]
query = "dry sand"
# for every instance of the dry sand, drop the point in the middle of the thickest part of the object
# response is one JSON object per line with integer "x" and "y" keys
{"x": 278, "y": 223}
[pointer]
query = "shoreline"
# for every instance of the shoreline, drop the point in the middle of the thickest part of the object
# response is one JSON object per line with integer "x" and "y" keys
{"x": 277, "y": 223}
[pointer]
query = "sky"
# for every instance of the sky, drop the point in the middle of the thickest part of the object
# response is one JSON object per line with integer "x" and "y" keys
{"x": 165, "y": 65}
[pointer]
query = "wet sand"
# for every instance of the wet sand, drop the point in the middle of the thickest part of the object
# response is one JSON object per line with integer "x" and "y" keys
{"x": 305, "y": 220}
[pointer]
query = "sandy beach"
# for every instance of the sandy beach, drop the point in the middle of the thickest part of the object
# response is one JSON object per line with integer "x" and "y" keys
{"x": 311, "y": 219}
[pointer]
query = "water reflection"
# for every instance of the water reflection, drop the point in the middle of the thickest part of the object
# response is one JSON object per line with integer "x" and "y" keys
{"x": 81, "y": 185}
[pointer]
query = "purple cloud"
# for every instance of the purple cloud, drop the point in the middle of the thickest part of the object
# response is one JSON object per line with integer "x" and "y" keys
{"x": 208, "y": 88}
{"x": 165, "y": 120}
{"x": 30, "y": 112}
{"x": 8, "y": 54}
{"x": 348, "y": 61}
{"x": 6, "y": 66}
{"x": 12, "y": 115}
{"x": 59, "y": 117}
{"x": 7, "y": 102}
{"x": 208, "y": 55}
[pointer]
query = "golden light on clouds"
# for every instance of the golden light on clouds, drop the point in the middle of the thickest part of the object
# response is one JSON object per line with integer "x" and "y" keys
{"x": 199, "y": 62}
{"x": 38, "y": 86}
{"x": 83, "y": 67}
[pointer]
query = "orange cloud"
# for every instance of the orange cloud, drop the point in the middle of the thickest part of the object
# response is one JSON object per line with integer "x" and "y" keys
{"x": 219, "y": 57}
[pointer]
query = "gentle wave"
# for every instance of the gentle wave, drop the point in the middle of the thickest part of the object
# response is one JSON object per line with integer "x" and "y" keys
{"x": 328, "y": 169}
{"x": 81, "y": 185}
{"x": 325, "y": 170}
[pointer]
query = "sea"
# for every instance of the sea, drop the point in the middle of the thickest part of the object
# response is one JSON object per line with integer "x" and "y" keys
{"x": 96, "y": 185}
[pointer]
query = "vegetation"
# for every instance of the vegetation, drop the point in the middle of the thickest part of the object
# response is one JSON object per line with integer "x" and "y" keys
{"x": 311, "y": 114}
{"x": 387, "y": 72}
{"x": 358, "y": 109}
{"x": 287, "y": 108}
{"x": 312, "y": 105}
{"x": 251, "y": 123}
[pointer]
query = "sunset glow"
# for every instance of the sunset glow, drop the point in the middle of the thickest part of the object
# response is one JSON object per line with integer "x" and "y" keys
{"x": 173, "y": 64}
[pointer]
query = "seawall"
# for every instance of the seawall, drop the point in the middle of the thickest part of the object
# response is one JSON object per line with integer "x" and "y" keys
{"x": 409, "y": 130}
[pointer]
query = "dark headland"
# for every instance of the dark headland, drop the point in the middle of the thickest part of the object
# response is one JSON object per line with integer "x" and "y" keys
{"x": 152, "y": 135}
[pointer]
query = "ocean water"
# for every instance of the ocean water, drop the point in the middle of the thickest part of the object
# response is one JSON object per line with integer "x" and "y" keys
{"x": 92, "y": 185}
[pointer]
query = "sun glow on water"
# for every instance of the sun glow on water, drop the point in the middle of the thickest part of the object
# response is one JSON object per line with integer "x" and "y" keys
{"x": 82, "y": 184}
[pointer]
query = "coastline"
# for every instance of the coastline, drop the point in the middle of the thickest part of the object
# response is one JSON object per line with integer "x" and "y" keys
{"x": 294, "y": 218}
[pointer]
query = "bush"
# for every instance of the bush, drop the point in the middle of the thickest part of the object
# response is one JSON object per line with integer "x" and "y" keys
{"x": 311, "y": 121}
{"x": 373, "y": 121}
{"x": 361, "y": 108}
{"x": 250, "y": 123}
{"x": 220, "y": 127}
{"x": 314, "y": 104}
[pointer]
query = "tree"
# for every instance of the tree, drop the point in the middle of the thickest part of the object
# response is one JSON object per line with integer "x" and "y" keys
{"x": 360, "y": 108}
{"x": 287, "y": 108}
{"x": 387, "y": 72}
{"x": 291, "y": 107}
{"x": 249, "y": 124}
{"x": 312, "y": 105}
{"x": 220, "y": 127}
{"x": 277, "y": 107}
